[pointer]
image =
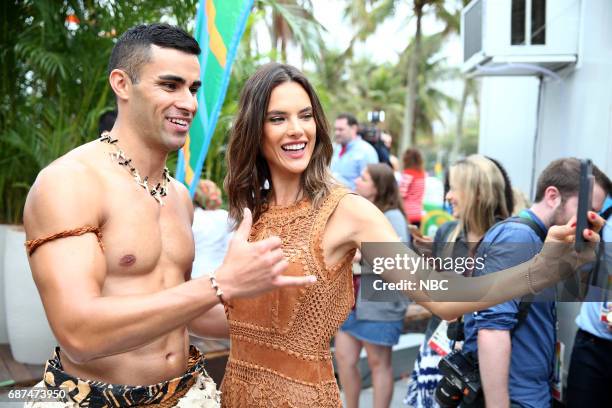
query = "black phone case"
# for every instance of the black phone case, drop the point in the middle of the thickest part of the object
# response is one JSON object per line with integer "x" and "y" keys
{"x": 584, "y": 201}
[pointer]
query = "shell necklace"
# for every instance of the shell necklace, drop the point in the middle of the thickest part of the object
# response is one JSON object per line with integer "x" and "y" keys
{"x": 157, "y": 192}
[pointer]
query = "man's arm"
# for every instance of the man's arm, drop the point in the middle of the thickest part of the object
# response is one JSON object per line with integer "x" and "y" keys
{"x": 494, "y": 348}
{"x": 211, "y": 324}
{"x": 494, "y": 325}
{"x": 70, "y": 273}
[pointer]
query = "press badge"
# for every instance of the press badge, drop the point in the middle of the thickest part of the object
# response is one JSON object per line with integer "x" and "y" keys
{"x": 557, "y": 382}
{"x": 606, "y": 314}
{"x": 439, "y": 341}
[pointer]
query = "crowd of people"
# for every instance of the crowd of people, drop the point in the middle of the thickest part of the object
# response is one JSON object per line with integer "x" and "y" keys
{"x": 511, "y": 344}
{"x": 124, "y": 279}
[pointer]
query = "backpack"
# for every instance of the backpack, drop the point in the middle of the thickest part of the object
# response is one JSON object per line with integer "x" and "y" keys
{"x": 525, "y": 303}
{"x": 455, "y": 330}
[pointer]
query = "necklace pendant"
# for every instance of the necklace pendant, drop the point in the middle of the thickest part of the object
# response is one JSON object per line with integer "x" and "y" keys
{"x": 158, "y": 199}
{"x": 142, "y": 183}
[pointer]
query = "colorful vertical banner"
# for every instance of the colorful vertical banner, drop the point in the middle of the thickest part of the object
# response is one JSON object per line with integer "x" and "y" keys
{"x": 219, "y": 27}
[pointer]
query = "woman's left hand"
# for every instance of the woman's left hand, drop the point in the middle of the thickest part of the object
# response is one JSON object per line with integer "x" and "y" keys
{"x": 567, "y": 233}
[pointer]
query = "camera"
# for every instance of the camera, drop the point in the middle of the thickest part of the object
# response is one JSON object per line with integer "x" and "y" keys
{"x": 376, "y": 116}
{"x": 370, "y": 134}
{"x": 455, "y": 330}
{"x": 460, "y": 381}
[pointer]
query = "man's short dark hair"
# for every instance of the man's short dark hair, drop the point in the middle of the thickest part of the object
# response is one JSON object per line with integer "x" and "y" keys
{"x": 603, "y": 180}
{"x": 107, "y": 121}
{"x": 133, "y": 49}
{"x": 350, "y": 119}
{"x": 564, "y": 174}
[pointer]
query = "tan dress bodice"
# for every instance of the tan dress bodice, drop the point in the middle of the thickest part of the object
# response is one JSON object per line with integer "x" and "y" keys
{"x": 280, "y": 341}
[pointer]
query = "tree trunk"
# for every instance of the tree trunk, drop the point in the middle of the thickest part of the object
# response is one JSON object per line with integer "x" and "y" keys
{"x": 409, "y": 129}
{"x": 454, "y": 154}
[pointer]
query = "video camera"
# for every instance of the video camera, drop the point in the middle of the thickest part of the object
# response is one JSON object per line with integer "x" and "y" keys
{"x": 460, "y": 381}
{"x": 370, "y": 134}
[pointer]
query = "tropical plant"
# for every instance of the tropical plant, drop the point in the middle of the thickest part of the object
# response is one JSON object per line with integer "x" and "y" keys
{"x": 292, "y": 22}
{"x": 368, "y": 14}
{"x": 54, "y": 87}
{"x": 362, "y": 85}
{"x": 431, "y": 100}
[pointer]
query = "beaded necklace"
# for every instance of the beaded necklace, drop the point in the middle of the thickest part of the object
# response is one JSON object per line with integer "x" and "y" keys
{"x": 157, "y": 192}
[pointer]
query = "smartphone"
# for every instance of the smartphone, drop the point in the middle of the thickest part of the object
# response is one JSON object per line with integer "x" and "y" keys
{"x": 415, "y": 230}
{"x": 584, "y": 201}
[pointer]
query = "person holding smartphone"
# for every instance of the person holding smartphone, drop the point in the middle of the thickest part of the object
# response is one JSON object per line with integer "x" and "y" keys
{"x": 516, "y": 351}
{"x": 590, "y": 367}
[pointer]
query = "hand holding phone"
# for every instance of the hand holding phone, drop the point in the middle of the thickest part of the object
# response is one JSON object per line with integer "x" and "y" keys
{"x": 414, "y": 230}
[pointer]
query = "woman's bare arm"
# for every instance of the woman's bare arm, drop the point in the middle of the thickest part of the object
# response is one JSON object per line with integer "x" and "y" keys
{"x": 365, "y": 224}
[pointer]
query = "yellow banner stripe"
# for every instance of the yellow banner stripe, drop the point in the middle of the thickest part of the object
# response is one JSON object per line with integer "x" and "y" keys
{"x": 217, "y": 46}
{"x": 187, "y": 154}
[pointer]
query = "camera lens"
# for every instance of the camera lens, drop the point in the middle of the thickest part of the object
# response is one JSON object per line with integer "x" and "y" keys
{"x": 447, "y": 394}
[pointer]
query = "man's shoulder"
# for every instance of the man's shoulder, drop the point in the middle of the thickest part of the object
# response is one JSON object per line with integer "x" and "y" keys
{"x": 508, "y": 244}
{"x": 74, "y": 166}
{"x": 365, "y": 147}
{"x": 67, "y": 187}
{"x": 184, "y": 194}
{"x": 181, "y": 189}
{"x": 511, "y": 230}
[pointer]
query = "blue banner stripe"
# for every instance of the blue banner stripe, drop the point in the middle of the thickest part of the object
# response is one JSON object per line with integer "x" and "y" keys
{"x": 231, "y": 55}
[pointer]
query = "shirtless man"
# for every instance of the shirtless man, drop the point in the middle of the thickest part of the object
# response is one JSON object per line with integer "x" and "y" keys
{"x": 120, "y": 300}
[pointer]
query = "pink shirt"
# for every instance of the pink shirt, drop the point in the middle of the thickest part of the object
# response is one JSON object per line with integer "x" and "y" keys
{"x": 412, "y": 189}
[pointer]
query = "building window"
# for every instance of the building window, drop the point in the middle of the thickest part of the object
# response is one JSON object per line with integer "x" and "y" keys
{"x": 528, "y": 28}
{"x": 517, "y": 25}
{"x": 538, "y": 21}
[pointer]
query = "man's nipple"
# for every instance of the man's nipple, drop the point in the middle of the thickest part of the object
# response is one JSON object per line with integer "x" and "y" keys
{"x": 127, "y": 260}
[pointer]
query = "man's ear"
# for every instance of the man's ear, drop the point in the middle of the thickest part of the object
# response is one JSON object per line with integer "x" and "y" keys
{"x": 552, "y": 196}
{"x": 121, "y": 83}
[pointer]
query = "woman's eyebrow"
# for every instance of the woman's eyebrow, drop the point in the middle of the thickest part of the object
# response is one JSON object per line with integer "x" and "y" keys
{"x": 279, "y": 112}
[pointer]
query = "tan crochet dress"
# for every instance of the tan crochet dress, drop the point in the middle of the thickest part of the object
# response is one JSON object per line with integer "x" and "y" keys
{"x": 280, "y": 342}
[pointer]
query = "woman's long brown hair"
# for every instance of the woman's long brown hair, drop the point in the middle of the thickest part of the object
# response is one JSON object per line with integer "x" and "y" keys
{"x": 387, "y": 193}
{"x": 247, "y": 169}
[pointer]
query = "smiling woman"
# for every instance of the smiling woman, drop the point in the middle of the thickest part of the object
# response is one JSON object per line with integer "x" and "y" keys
{"x": 289, "y": 131}
{"x": 279, "y": 112}
{"x": 278, "y": 159}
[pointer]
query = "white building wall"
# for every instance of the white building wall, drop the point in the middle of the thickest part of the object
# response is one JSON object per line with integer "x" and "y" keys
{"x": 576, "y": 112}
{"x": 508, "y": 125}
{"x": 574, "y": 119}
